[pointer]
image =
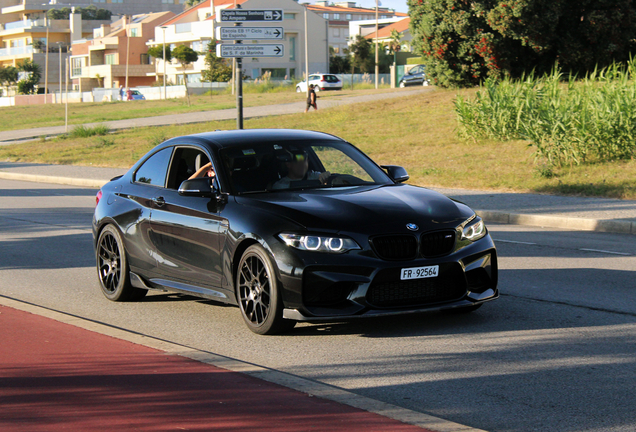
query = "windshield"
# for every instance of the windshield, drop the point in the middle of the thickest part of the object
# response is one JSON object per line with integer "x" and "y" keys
{"x": 259, "y": 167}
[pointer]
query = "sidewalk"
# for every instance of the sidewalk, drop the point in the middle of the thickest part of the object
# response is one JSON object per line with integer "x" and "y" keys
{"x": 576, "y": 213}
{"x": 59, "y": 372}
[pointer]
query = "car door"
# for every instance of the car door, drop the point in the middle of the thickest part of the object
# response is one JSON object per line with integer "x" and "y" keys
{"x": 186, "y": 230}
{"x": 146, "y": 183}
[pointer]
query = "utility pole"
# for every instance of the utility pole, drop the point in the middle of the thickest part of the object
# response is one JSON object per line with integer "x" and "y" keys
{"x": 377, "y": 56}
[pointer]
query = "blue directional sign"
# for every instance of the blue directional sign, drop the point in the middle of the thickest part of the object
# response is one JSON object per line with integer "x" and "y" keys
{"x": 246, "y": 15}
{"x": 250, "y": 50}
{"x": 250, "y": 33}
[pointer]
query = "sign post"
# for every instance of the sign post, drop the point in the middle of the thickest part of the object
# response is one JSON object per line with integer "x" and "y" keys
{"x": 238, "y": 50}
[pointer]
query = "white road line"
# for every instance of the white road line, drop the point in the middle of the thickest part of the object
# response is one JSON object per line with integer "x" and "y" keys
{"x": 605, "y": 251}
{"x": 515, "y": 242}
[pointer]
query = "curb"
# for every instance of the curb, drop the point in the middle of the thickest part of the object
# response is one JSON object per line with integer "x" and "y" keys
{"x": 580, "y": 224}
{"x": 570, "y": 223}
{"x": 70, "y": 181}
{"x": 271, "y": 375}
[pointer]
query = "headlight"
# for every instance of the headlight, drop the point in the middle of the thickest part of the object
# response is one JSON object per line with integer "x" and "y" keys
{"x": 319, "y": 243}
{"x": 475, "y": 230}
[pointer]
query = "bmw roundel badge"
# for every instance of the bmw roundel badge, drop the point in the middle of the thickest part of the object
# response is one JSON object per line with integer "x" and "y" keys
{"x": 412, "y": 226}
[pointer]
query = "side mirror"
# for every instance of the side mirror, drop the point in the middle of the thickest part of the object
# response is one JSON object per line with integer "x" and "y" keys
{"x": 397, "y": 173}
{"x": 197, "y": 187}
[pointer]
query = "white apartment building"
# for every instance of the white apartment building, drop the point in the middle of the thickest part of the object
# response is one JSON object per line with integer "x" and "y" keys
{"x": 196, "y": 28}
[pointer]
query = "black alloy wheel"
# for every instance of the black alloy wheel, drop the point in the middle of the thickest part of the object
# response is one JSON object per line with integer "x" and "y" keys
{"x": 112, "y": 267}
{"x": 257, "y": 291}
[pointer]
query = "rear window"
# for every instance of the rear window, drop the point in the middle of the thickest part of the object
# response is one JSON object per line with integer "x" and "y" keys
{"x": 331, "y": 78}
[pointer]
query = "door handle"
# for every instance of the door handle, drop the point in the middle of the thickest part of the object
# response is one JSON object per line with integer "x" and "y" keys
{"x": 159, "y": 201}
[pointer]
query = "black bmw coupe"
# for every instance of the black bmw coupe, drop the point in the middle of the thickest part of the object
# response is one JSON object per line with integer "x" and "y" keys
{"x": 290, "y": 226}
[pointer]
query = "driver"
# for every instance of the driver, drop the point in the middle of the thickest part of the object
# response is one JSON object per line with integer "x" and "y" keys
{"x": 297, "y": 169}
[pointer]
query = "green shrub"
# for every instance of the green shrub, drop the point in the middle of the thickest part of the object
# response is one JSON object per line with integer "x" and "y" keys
{"x": 82, "y": 131}
{"x": 566, "y": 122}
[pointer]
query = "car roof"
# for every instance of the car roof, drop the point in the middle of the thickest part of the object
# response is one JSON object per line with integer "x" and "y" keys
{"x": 238, "y": 137}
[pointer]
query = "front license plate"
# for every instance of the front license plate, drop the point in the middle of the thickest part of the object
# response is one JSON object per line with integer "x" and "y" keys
{"x": 419, "y": 272}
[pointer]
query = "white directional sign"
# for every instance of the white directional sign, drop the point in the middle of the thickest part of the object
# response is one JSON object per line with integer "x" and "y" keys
{"x": 249, "y": 33}
{"x": 245, "y": 50}
{"x": 242, "y": 15}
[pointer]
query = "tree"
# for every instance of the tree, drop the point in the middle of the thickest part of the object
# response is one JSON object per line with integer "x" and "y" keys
{"x": 185, "y": 56}
{"x": 157, "y": 52}
{"x": 338, "y": 63}
{"x": 360, "y": 52}
{"x": 463, "y": 42}
{"x": 218, "y": 69}
{"x": 32, "y": 77}
{"x": 8, "y": 76}
{"x": 190, "y": 3}
{"x": 88, "y": 13}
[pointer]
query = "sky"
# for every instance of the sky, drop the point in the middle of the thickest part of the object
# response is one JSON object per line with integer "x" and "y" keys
{"x": 398, "y": 5}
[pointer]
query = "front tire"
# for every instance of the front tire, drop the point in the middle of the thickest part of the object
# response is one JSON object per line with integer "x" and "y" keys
{"x": 298, "y": 90}
{"x": 402, "y": 85}
{"x": 258, "y": 293}
{"x": 112, "y": 267}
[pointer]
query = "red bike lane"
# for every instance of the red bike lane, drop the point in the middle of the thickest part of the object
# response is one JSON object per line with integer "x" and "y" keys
{"x": 58, "y": 377}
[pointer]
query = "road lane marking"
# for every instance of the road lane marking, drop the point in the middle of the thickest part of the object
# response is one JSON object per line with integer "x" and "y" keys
{"x": 515, "y": 242}
{"x": 605, "y": 251}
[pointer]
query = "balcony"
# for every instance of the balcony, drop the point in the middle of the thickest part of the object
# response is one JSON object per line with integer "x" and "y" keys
{"x": 16, "y": 51}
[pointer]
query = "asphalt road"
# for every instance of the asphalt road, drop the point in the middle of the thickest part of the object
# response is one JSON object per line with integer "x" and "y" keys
{"x": 557, "y": 352}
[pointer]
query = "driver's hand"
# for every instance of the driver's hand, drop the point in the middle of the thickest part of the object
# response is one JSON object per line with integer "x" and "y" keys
{"x": 324, "y": 176}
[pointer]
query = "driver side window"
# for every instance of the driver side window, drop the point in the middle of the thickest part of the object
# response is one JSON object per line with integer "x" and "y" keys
{"x": 186, "y": 161}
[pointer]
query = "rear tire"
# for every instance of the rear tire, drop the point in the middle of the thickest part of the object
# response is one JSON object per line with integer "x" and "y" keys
{"x": 112, "y": 267}
{"x": 258, "y": 293}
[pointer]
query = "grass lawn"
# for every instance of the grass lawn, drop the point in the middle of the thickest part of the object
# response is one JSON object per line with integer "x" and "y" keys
{"x": 417, "y": 132}
{"x": 26, "y": 117}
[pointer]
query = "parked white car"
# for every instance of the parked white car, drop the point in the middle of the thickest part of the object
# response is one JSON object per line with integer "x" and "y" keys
{"x": 321, "y": 82}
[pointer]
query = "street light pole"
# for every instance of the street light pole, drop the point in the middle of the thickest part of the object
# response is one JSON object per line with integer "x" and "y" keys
{"x": 164, "y": 62}
{"x": 127, "y": 48}
{"x": 59, "y": 50}
{"x": 46, "y": 62}
{"x": 377, "y": 65}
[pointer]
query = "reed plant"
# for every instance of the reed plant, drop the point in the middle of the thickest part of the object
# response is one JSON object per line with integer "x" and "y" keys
{"x": 566, "y": 120}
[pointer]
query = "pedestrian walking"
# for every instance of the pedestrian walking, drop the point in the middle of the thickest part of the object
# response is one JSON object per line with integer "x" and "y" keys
{"x": 311, "y": 99}
{"x": 121, "y": 93}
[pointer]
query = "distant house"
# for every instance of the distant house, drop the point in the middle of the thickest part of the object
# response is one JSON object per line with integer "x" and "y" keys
{"x": 384, "y": 34}
{"x": 25, "y": 31}
{"x": 196, "y": 28}
{"x": 340, "y": 15}
{"x": 117, "y": 54}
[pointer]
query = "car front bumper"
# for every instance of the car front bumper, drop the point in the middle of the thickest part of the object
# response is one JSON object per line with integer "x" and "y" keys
{"x": 361, "y": 286}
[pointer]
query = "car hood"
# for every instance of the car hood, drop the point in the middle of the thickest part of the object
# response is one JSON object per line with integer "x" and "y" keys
{"x": 357, "y": 209}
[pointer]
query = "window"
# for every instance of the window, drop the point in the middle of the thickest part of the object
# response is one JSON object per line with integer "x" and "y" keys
{"x": 198, "y": 46}
{"x": 348, "y": 16}
{"x": 291, "y": 16}
{"x": 336, "y": 16}
{"x": 292, "y": 48}
{"x": 325, "y": 16}
{"x": 336, "y": 32}
{"x": 134, "y": 32}
{"x": 76, "y": 66}
{"x": 167, "y": 1}
{"x": 144, "y": 59}
{"x": 110, "y": 59}
{"x": 186, "y": 162}
{"x": 154, "y": 169}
